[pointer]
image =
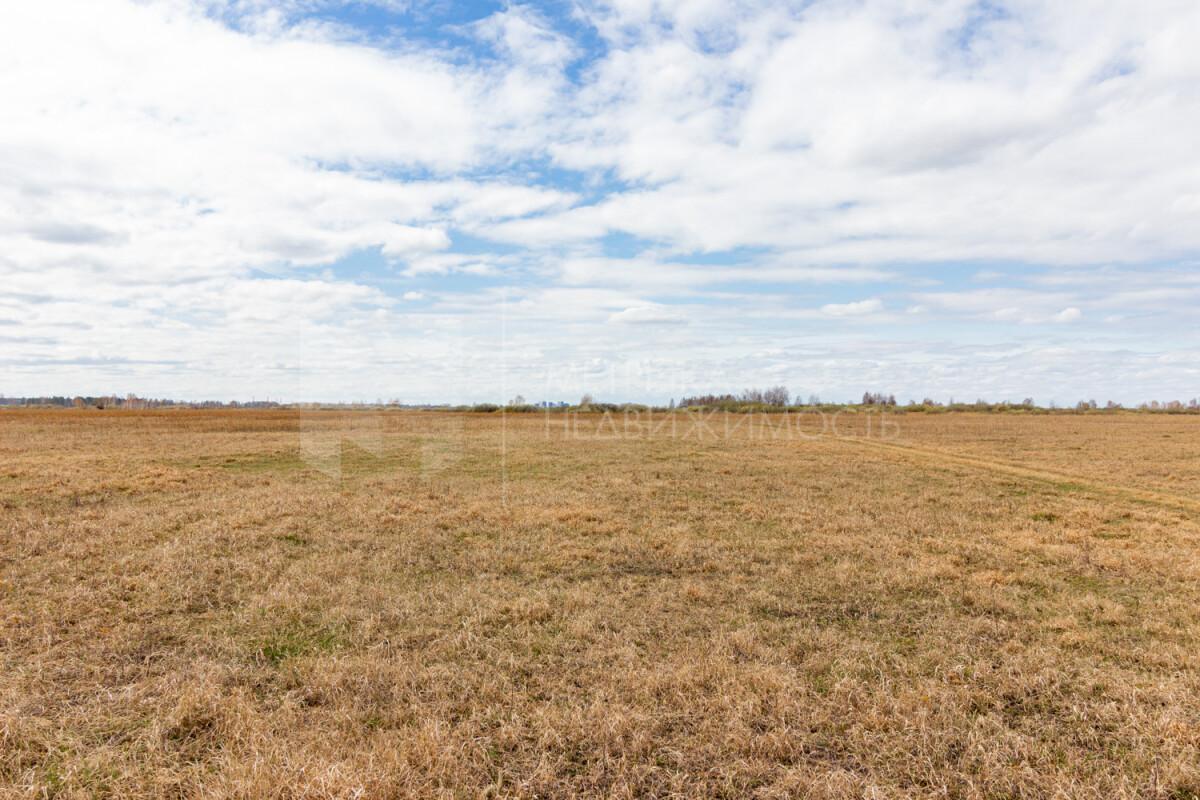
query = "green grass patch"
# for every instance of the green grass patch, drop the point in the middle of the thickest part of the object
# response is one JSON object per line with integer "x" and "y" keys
{"x": 294, "y": 640}
{"x": 1086, "y": 583}
{"x": 288, "y": 461}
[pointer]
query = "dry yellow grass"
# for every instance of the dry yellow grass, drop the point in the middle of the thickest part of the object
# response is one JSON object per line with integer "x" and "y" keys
{"x": 982, "y": 606}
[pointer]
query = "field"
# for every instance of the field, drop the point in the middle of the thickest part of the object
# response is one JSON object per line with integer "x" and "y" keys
{"x": 402, "y": 604}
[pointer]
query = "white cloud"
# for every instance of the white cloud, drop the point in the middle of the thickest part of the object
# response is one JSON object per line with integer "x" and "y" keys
{"x": 855, "y": 309}
{"x": 863, "y": 132}
{"x": 203, "y": 149}
{"x": 648, "y": 315}
{"x": 175, "y": 173}
{"x": 526, "y": 38}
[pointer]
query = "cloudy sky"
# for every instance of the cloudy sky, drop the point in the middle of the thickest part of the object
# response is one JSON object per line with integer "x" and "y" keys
{"x": 433, "y": 200}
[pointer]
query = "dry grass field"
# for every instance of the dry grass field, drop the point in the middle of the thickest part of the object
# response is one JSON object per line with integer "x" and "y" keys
{"x": 213, "y": 604}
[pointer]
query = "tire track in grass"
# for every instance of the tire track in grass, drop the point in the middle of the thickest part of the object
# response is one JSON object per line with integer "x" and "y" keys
{"x": 1059, "y": 479}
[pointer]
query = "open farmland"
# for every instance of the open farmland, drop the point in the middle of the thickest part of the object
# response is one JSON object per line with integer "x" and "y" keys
{"x": 384, "y": 604}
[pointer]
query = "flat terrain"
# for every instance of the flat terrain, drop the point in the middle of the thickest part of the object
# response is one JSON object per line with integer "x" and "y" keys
{"x": 390, "y": 604}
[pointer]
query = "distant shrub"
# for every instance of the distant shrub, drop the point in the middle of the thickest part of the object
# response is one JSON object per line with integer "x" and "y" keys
{"x": 521, "y": 408}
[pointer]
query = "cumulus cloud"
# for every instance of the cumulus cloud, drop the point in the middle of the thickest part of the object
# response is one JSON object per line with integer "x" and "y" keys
{"x": 884, "y": 131}
{"x": 856, "y": 309}
{"x": 203, "y": 148}
{"x": 176, "y": 174}
{"x": 648, "y": 315}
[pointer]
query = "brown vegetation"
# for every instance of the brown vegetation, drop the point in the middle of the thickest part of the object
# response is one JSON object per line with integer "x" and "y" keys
{"x": 481, "y": 605}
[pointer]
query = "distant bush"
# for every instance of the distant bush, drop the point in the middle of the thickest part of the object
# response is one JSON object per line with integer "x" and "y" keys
{"x": 521, "y": 408}
{"x": 753, "y": 401}
{"x": 878, "y": 399}
{"x": 773, "y": 399}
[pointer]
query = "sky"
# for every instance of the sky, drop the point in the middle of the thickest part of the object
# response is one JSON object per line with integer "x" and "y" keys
{"x": 638, "y": 199}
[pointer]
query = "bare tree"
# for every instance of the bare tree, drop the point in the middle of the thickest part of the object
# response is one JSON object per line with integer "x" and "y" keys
{"x": 878, "y": 399}
{"x": 752, "y": 396}
{"x": 776, "y": 396}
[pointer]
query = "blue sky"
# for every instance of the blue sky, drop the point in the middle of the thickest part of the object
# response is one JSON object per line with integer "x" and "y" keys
{"x": 638, "y": 199}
